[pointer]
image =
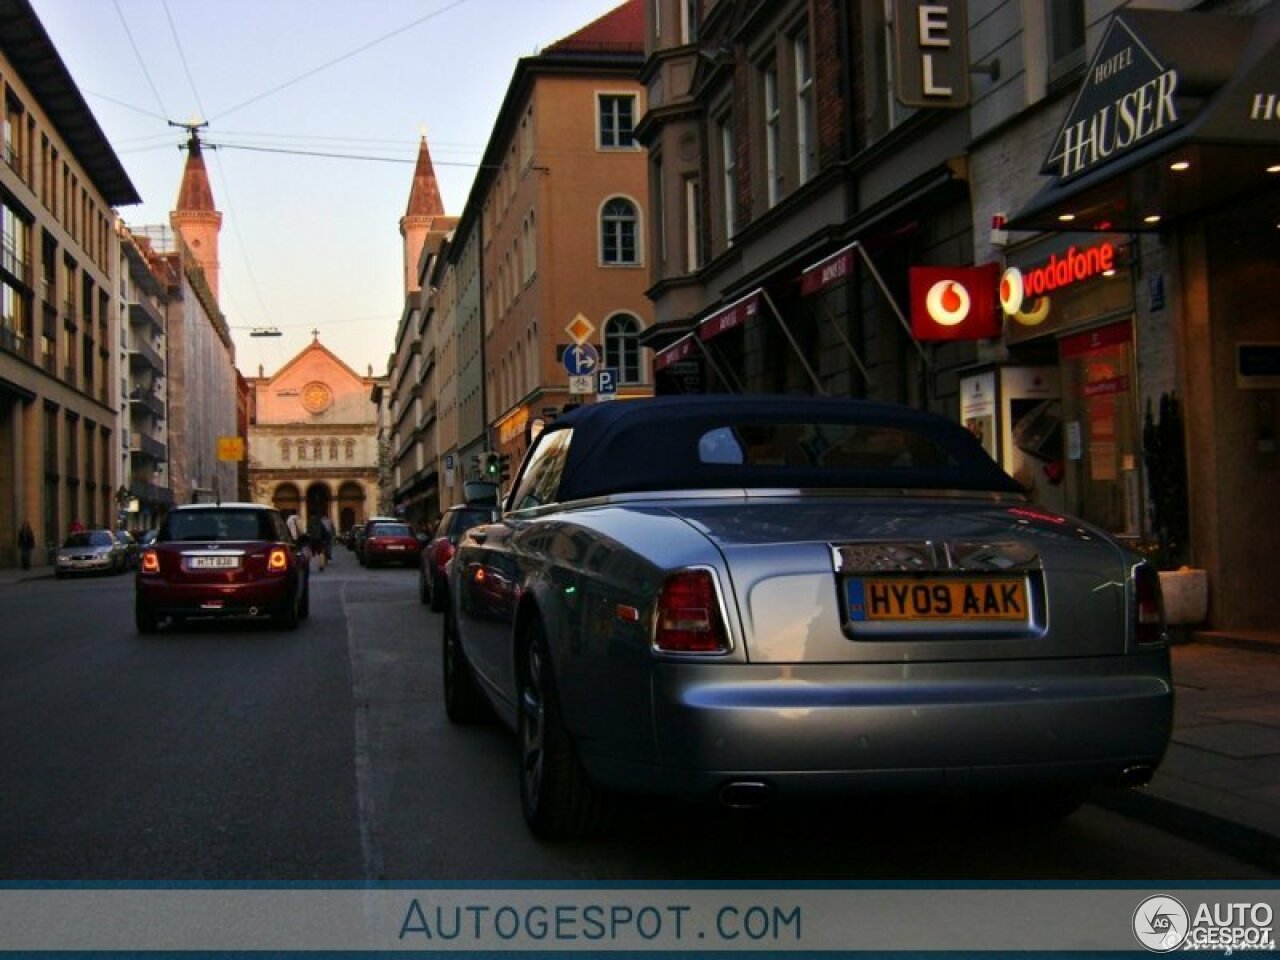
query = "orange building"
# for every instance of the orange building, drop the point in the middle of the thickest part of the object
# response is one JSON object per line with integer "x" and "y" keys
{"x": 563, "y": 194}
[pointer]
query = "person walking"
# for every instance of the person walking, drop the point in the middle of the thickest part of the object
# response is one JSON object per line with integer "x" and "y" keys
{"x": 26, "y": 543}
{"x": 328, "y": 537}
{"x": 315, "y": 538}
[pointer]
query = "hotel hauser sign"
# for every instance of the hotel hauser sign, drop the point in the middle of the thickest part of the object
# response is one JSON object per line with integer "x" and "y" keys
{"x": 1128, "y": 98}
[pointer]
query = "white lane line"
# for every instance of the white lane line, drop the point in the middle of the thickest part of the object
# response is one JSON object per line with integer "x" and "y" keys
{"x": 370, "y": 847}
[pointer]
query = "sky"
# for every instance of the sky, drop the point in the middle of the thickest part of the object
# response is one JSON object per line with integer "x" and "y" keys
{"x": 307, "y": 241}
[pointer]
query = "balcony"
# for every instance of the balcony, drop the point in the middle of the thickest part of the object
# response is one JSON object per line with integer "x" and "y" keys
{"x": 148, "y": 400}
{"x": 142, "y": 354}
{"x": 14, "y": 265}
{"x": 151, "y": 493}
{"x": 13, "y": 342}
{"x": 143, "y": 312}
{"x": 143, "y": 446}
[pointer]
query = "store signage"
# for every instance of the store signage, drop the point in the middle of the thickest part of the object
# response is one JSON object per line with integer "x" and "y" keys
{"x": 827, "y": 272}
{"x": 932, "y": 49}
{"x": 734, "y": 315}
{"x": 1127, "y": 99}
{"x": 1018, "y": 285}
{"x": 680, "y": 350}
{"x": 953, "y": 303}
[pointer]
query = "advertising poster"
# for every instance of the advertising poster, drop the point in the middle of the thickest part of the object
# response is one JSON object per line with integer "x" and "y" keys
{"x": 978, "y": 409}
{"x": 1032, "y": 441}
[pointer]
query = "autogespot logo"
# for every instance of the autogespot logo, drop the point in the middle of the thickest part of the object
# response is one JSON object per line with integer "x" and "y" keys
{"x": 1160, "y": 923}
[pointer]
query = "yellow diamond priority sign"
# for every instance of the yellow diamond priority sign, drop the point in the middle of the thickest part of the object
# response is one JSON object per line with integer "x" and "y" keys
{"x": 580, "y": 328}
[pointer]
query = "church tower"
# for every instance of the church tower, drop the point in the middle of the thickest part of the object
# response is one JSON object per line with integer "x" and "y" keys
{"x": 424, "y": 215}
{"x": 195, "y": 219}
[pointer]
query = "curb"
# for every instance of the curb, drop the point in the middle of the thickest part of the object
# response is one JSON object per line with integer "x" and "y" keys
{"x": 1255, "y": 847}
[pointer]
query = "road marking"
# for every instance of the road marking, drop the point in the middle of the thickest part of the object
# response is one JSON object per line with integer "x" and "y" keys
{"x": 370, "y": 848}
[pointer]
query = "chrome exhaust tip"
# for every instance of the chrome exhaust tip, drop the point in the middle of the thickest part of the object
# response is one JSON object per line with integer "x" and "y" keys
{"x": 745, "y": 794}
{"x": 253, "y": 611}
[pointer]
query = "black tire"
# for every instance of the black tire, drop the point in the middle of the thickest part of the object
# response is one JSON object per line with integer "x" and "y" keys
{"x": 463, "y": 702}
{"x": 424, "y": 594}
{"x": 144, "y": 617}
{"x": 304, "y": 608}
{"x": 288, "y": 616}
{"x": 439, "y": 592}
{"x": 60, "y": 575}
{"x": 558, "y": 799}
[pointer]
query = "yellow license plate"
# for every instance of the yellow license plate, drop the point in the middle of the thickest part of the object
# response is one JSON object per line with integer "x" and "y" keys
{"x": 912, "y": 598}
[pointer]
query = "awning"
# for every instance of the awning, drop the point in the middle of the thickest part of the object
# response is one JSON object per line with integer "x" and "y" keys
{"x": 1223, "y": 130}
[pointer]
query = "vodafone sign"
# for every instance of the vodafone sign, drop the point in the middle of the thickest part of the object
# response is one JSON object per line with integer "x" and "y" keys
{"x": 954, "y": 303}
{"x": 1019, "y": 287}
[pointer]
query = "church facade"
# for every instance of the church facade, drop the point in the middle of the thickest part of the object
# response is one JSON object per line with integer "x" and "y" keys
{"x": 313, "y": 439}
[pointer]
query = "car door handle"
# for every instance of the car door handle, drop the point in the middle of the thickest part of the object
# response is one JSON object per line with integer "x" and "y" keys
{"x": 479, "y": 536}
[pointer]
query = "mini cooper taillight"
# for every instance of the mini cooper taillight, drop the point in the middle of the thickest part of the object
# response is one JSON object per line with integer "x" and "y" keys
{"x": 150, "y": 562}
{"x": 1148, "y": 626}
{"x": 689, "y": 618}
{"x": 278, "y": 560}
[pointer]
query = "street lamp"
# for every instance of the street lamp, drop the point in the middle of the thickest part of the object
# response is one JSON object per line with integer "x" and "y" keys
{"x": 265, "y": 332}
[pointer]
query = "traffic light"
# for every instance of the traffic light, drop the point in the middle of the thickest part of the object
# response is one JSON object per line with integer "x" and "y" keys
{"x": 504, "y": 467}
{"x": 491, "y": 465}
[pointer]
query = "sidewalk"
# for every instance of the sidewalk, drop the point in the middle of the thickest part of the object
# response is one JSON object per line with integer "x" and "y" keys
{"x": 1220, "y": 780}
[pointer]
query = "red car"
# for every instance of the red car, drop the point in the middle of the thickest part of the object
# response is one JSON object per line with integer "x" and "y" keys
{"x": 223, "y": 560}
{"x": 388, "y": 541}
{"x": 433, "y": 579}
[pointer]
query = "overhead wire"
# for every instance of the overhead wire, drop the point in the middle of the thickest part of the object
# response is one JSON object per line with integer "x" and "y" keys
{"x": 141, "y": 62}
{"x": 346, "y": 56}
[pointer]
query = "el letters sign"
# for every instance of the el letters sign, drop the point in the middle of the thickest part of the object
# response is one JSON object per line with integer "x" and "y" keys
{"x": 932, "y": 47}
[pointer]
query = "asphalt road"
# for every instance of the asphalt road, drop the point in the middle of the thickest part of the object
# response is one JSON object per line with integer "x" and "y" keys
{"x": 235, "y": 752}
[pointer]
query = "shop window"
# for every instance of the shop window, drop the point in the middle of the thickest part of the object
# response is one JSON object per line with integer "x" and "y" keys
{"x": 1102, "y": 433}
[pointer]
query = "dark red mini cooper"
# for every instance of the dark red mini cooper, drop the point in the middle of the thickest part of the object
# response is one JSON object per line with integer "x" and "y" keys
{"x": 223, "y": 560}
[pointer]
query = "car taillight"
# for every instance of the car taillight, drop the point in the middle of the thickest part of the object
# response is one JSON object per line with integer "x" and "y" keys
{"x": 150, "y": 561}
{"x": 1148, "y": 625}
{"x": 278, "y": 560}
{"x": 689, "y": 619}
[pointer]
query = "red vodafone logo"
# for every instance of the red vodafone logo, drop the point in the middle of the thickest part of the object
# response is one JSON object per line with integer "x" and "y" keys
{"x": 954, "y": 303}
{"x": 1076, "y": 264}
{"x": 948, "y": 302}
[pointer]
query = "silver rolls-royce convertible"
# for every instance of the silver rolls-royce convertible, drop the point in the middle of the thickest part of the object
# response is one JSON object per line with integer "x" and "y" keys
{"x": 737, "y": 598}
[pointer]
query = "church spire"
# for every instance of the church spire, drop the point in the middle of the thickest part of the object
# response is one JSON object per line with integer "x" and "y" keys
{"x": 420, "y": 218}
{"x": 195, "y": 218}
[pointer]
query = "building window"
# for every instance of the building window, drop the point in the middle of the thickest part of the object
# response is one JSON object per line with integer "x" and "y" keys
{"x": 618, "y": 233}
{"x": 351, "y": 449}
{"x": 622, "y": 346}
{"x": 806, "y": 114}
{"x": 317, "y": 450}
{"x": 333, "y": 449}
{"x": 658, "y": 193}
{"x": 285, "y": 449}
{"x": 729, "y": 172}
{"x": 772, "y": 135}
{"x": 617, "y": 120}
{"x": 688, "y": 21}
{"x": 302, "y": 449}
{"x": 692, "y": 224}
{"x": 1066, "y": 36}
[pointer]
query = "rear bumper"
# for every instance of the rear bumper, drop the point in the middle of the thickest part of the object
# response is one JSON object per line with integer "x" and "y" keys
{"x": 863, "y": 728}
{"x": 209, "y": 600}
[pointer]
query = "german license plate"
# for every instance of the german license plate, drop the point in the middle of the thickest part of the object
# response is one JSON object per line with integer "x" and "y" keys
{"x": 215, "y": 563}
{"x": 395, "y": 546}
{"x": 893, "y": 598}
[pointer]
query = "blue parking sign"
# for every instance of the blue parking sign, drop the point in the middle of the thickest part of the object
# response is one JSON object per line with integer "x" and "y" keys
{"x": 608, "y": 384}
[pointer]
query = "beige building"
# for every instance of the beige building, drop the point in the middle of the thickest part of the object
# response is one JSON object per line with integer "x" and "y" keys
{"x": 59, "y": 351}
{"x": 313, "y": 439}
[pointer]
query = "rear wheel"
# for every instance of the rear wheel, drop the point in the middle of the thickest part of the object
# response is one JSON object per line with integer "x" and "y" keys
{"x": 304, "y": 608}
{"x": 439, "y": 592}
{"x": 287, "y": 618}
{"x": 463, "y": 702}
{"x": 559, "y": 801}
{"x": 144, "y": 617}
{"x": 424, "y": 594}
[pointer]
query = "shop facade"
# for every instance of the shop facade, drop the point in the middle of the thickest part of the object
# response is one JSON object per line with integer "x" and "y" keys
{"x": 1144, "y": 272}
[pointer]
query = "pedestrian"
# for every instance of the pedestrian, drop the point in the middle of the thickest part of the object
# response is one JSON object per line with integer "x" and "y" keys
{"x": 26, "y": 543}
{"x": 328, "y": 537}
{"x": 295, "y": 527}
{"x": 315, "y": 539}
